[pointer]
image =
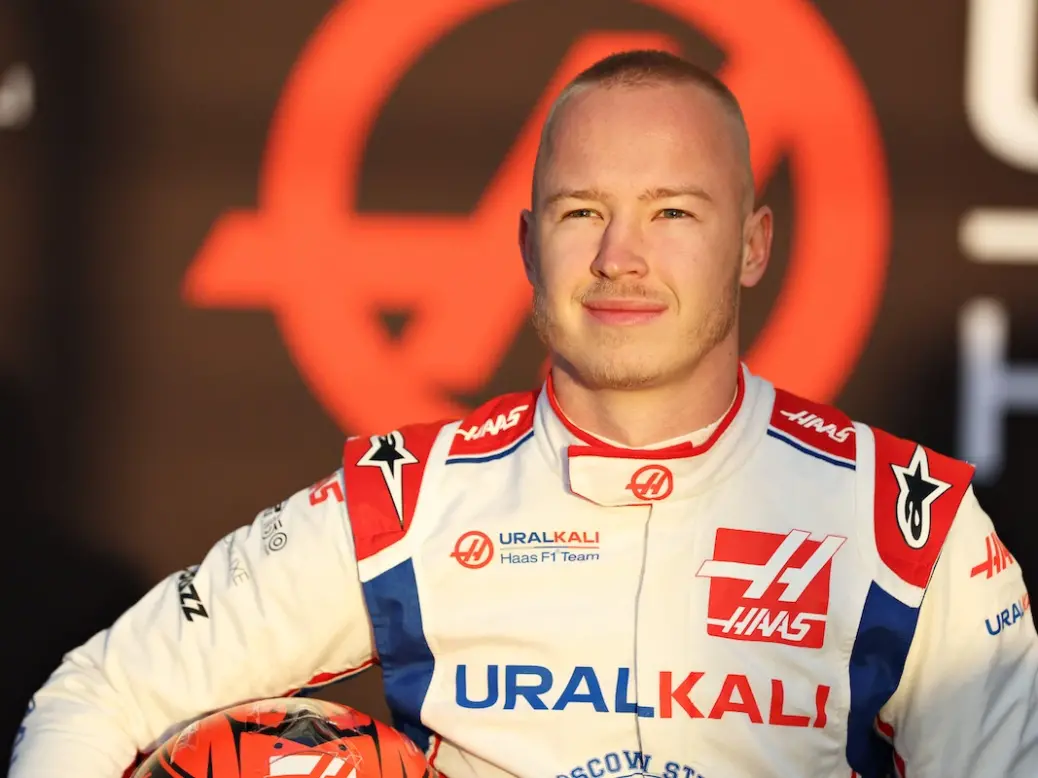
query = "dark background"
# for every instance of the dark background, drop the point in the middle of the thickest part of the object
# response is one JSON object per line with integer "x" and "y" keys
{"x": 137, "y": 429}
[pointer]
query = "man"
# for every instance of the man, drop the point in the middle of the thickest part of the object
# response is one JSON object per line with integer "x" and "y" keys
{"x": 659, "y": 564}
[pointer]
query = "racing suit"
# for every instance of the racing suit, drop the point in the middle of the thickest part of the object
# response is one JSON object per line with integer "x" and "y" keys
{"x": 797, "y": 594}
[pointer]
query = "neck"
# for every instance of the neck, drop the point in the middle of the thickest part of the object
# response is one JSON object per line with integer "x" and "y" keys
{"x": 646, "y": 416}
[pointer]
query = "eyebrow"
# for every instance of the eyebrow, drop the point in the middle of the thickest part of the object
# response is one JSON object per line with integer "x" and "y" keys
{"x": 657, "y": 193}
{"x": 573, "y": 194}
{"x": 662, "y": 193}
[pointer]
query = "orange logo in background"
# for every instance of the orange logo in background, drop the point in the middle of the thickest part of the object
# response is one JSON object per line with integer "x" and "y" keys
{"x": 325, "y": 271}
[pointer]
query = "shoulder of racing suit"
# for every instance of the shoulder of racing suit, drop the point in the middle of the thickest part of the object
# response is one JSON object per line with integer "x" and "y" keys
{"x": 906, "y": 494}
{"x": 383, "y": 474}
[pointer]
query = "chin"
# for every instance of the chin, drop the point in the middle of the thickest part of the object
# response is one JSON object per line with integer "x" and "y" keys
{"x": 611, "y": 372}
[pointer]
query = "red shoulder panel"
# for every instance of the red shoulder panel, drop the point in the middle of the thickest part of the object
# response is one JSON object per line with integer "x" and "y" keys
{"x": 918, "y": 493}
{"x": 383, "y": 474}
{"x": 494, "y": 426}
{"x": 819, "y": 426}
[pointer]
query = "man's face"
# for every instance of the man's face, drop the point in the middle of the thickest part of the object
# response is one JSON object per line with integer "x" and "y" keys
{"x": 640, "y": 237}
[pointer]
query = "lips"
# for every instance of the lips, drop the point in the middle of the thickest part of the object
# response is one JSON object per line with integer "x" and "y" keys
{"x": 624, "y": 311}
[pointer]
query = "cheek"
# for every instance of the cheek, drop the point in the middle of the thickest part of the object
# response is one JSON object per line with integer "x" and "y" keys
{"x": 697, "y": 267}
{"x": 566, "y": 257}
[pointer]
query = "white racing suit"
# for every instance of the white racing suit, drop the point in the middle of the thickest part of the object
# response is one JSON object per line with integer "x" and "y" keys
{"x": 796, "y": 595}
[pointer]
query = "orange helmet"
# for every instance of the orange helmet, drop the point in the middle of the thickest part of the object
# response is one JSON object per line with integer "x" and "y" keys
{"x": 287, "y": 738}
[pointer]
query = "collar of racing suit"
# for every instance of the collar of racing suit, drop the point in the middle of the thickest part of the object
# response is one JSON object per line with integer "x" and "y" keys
{"x": 610, "y": 474}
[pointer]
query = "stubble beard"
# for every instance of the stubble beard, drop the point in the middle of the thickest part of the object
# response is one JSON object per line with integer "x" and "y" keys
{"x": 613, "y": 362}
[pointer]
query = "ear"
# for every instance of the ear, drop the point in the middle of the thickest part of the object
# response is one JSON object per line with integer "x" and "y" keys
{"x": 756, "y": 246}
{"x": 526, "y": 239}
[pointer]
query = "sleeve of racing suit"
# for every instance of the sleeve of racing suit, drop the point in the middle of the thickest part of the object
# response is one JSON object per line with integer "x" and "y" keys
{"x": 274, "y": 606}
{"x": 968, "y": 700}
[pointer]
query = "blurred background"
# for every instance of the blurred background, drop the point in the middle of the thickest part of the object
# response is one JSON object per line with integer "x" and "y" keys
{"x": 233, "y": 231}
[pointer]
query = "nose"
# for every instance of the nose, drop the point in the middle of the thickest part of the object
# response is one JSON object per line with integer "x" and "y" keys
{"x": 619, "y": 254}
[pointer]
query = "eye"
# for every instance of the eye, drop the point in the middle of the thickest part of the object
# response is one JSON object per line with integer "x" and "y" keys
{"x": 579, "y": 213}
{"x": 674, "y": 213}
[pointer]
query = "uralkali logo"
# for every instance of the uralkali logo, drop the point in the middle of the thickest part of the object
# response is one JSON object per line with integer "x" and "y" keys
{"x": 475, "y": 549}
{"x": 687, "y": 694}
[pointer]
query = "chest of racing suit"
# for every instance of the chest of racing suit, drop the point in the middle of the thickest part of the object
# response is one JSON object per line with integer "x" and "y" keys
{"x": 796, "y": 594}
{"x": 549, "y": 605}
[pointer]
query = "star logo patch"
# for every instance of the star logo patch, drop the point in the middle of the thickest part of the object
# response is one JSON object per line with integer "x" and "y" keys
{"x": 917, "y": 492}
{"x": 389, "y": 454}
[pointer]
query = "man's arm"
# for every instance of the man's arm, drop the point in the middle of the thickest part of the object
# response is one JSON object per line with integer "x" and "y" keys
{"x": 968, "y": 700}
{"x": 274, "y": 606}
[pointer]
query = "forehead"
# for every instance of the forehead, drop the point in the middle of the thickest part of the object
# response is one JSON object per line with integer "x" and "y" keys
{"x": 636, "y": 133}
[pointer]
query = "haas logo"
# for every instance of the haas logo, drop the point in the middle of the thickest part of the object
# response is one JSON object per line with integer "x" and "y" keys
{"x": 323, "y": 266}
{"x": 473, "y": 550}
{"x": 811, "y": 421}
{"x": 652, "y": 482}
{"x": 494, "y": 426}
{"x": 770, "y": 588}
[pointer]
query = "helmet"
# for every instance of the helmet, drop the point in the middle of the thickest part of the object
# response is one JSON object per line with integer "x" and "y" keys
{"x": 287, "y": 738}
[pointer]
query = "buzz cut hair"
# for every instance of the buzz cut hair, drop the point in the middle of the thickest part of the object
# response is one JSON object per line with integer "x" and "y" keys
{"x": 646, "y": 67}
{"x": 643, "y": 67}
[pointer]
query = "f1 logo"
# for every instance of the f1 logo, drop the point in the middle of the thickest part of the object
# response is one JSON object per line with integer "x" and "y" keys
{"x": 769, "y": 587}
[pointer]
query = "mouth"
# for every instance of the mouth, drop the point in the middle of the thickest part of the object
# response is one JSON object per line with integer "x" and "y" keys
{"x": 624, "y": 311}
